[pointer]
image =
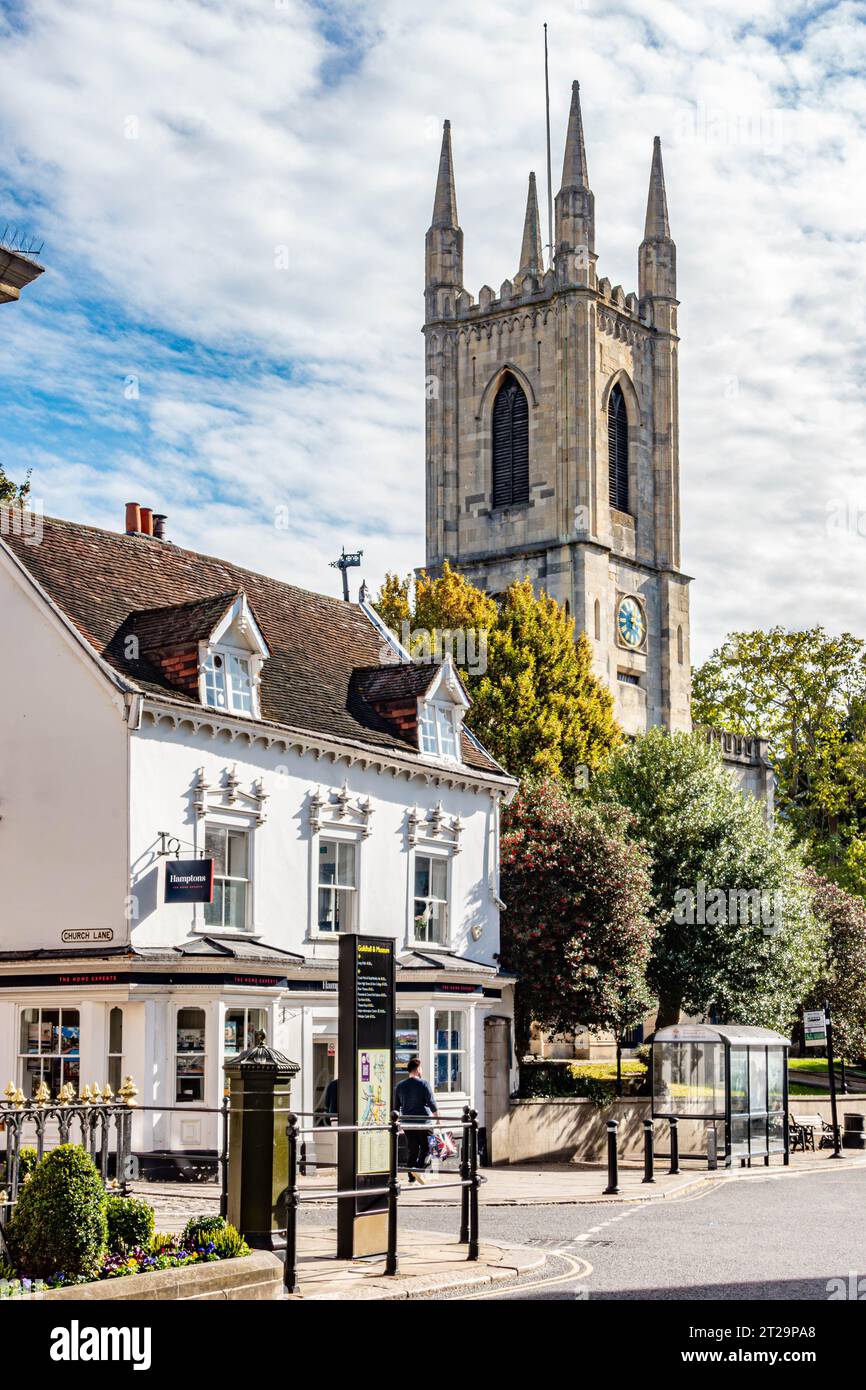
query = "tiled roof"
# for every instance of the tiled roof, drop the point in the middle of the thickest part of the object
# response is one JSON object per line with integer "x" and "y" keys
{"x": 105, "y": 580}
{"x": 181, "y": 622}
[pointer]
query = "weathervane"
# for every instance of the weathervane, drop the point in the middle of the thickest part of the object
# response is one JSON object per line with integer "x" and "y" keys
{"x": 346, "y": 562}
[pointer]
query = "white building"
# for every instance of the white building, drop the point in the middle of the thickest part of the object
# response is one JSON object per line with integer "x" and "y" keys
{"x": 157, "y": 702}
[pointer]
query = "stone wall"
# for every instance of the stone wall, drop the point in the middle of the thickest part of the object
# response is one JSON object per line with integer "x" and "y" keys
{"x": 575, "y": 1131}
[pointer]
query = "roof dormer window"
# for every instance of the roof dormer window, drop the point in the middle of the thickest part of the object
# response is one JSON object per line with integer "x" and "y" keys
{"x": 438, "y": 730}
{"x": 230, "y": 661}
{"x": 228, "y": 681}
{"x": 441, "y": 709}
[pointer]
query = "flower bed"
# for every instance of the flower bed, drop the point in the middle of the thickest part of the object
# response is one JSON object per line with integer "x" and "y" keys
{"x": 66, "y": 1232}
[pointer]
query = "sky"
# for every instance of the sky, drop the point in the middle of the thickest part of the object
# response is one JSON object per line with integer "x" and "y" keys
{"x": 233, "y": 196}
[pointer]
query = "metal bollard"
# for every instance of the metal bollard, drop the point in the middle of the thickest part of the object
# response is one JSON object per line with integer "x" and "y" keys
{"x": 392, "y": 1262}
{"x": 648, "y": 1157}
{"x": 464, "y": 1177}
{"x": 290, "y": 1272}
{"x": 712, "y": 1148}
{"x": 612, "y": 1161}
{"x": 475, "y": 1183}
{"x": 675, "y": 1146}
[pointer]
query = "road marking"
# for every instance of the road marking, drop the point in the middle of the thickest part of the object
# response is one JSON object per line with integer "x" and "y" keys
{"x": 580, "y": 1269}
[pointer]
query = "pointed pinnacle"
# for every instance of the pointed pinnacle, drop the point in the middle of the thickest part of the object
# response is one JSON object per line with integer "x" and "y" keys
{"x": 657, "y": 225}
{"x": 445, "y": 202}
{"x": 574, "y": 172}
{"x": 531, "y": 253}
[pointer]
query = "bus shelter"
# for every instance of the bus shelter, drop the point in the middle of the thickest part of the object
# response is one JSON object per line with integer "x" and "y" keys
{"x": 730, "y": 1082}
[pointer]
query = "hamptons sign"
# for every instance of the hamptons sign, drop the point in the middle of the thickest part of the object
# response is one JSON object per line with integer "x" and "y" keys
{"x": 189, "y": 881}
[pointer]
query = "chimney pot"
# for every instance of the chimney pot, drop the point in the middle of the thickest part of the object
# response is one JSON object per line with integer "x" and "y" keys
{"x": 159, "y": 520}
{"x": 133, "y": 518}
{"x": 146, "y": 521}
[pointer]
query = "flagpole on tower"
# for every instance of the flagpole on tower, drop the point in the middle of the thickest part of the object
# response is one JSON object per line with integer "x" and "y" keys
{"x": 549, "y": 175}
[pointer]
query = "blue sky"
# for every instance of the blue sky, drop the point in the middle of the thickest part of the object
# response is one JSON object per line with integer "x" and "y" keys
{"x": 233, "y": 197}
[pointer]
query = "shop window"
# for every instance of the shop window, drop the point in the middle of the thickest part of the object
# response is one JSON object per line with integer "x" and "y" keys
{"x": 448, "y": 1051}
{"x": 230, "y": 851}
{"x": 406, "y": 1040}
{"x": 337, "y": 886}
{"x": 431, "y": 899}
{"x": 50, "y": 1049}
{"x": 241, "y": 1026}
{"x": 189, "y": 1056}
{"x": 115, "y": 1049}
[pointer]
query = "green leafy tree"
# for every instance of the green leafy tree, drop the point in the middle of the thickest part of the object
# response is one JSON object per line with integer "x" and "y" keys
{"x": 576, "y": 928}
{"x": 13, "y": 494}
{"x": 806, "y": 693}
{"x": 735, "y": 931}
{"x": 842, "y": 982}
{"x": 536, "y": 704}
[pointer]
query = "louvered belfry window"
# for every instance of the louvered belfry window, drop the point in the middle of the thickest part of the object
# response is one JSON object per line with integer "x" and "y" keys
{"x": 617, "y": 449}
{"x": 510, "y": 445}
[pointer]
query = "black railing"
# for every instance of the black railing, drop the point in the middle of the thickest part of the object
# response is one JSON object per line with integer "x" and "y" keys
{"x": 468, "y": 1182}
{"x": 40, "y": 1123}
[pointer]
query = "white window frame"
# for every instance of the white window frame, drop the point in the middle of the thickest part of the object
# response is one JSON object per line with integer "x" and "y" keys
{"x": 114, "y": 1056}
{"x": 226, "y": 654}
{"x": 463, "y": 1051}
{"x": 344, "y": 816}
{"x": 238, "y": 826}
{"x": 428, "y": 852}
{"x": 176, "y": 1012}
{"x": 59, "y": 1008}
{"x": 438, "y": 718}
{"x": 328, "y": 836}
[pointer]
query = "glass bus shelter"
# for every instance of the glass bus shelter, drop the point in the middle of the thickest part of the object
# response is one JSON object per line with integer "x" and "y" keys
{"x": 730, "y": 1080}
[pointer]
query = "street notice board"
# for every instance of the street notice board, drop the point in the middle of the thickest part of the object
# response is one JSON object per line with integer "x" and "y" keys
{"x": 815, "y": 1028}
{"x": 365, "y": 1090}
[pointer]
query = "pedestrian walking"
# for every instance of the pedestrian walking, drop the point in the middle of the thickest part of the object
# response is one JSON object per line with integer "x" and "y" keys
{"x": 416, "y": 1104}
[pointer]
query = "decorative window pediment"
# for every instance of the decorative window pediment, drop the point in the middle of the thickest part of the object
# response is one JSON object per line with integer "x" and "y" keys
{"x": 340, "y": 809}
{"x": 228, "y": 795}
{"x": 434, "y": 827}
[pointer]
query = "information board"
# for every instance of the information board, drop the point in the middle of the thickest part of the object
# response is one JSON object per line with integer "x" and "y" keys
{"x": 365, "y": 1090}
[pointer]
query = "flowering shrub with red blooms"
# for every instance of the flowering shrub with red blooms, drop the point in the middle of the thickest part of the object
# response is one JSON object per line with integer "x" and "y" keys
{"x": 576, "y": 929}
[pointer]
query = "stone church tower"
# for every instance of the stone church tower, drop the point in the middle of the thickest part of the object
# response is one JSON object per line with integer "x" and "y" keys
{"x": 552, "y": 435}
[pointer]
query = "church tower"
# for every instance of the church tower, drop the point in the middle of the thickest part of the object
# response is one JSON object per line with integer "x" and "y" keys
{"x": 552, "y": 438}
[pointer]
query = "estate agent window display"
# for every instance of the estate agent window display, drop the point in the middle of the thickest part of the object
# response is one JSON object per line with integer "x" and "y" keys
{"x": 50, "y": 1049}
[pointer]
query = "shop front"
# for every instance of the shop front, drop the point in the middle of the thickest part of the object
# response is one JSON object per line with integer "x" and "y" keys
{"x": 93, "y": 1023}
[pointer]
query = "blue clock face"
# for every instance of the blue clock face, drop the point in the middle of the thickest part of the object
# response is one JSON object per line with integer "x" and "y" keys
{"x": 631, "y": 622}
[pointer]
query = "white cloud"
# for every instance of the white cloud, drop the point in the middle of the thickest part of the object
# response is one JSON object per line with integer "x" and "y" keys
{"x": 173, "y": 156}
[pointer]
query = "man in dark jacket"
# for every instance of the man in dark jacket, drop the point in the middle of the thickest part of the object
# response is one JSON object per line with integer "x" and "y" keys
{"x": 416, "y": 1103}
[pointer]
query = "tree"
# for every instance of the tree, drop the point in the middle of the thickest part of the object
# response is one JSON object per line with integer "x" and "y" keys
{"x": 13, "y": 494}
{"x": 536, "y": 705}
{"x": 576, "y": 928}
{"x": 842, "y": 982}
{"x": 735, "y": 932}
{"x": 806, "y": 693}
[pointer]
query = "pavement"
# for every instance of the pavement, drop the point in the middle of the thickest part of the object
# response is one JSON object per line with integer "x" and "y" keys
{"x": 431, "y": 1264}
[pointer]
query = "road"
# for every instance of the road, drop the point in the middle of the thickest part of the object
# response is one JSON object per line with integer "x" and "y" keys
{"x": 779, "y": 1237}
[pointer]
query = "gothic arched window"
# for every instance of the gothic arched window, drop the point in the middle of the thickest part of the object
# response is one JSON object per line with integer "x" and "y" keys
{"x": 510, "y": 444}
{"x": 617, "y": 449}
